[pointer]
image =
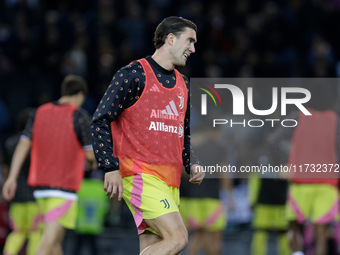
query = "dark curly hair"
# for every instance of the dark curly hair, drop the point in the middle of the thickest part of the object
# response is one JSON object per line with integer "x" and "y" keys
{"x": 73, "y": 84}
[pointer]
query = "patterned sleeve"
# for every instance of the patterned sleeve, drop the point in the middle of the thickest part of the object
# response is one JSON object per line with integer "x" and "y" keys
{"x": 124, "y": 90}
{"x": 187, "y": 150}
{"x": 81, "y": 122}
{"x": 28, "y": 131}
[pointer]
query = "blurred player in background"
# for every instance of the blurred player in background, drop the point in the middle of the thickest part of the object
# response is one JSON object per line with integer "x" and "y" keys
{"x": 313, "y": 195}
{"x": 141, "y": 137}
{"x": 59, "y": 138}
{"x": 24, "y": 214}
{"x": 267, "y": 197}
{"x": 203, "y": 212}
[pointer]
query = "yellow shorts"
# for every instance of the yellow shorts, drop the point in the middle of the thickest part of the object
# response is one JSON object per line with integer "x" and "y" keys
{"x": 317, "y": 202}
{"x": 204, "y": 213}
{"x": 24, "y": 216}
{"x": 148, "y": 197}
{"x": 59, "y": 209}
{"x": 270, "y": 217}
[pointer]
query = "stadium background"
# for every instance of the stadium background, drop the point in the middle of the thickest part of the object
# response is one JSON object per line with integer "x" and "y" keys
{"x": 42, "y": 41}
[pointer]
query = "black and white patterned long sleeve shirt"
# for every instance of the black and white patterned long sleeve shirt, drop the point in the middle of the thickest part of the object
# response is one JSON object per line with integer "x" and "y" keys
{"x": 125, "y": 89}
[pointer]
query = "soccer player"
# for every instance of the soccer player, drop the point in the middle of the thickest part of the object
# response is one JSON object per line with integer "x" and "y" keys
{"x": 203, "y": 212}
{"x": 313, "y": 194}
{"x": 267, "y": 198}
{"x": 24, "y": 214}
{"x": 59, "y": 138}
{"x": 141, "y": 137}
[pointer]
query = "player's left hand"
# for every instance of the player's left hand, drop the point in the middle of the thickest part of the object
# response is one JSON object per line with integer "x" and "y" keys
{"x": 197, "y": 174}
{"x": 9, "y": 188}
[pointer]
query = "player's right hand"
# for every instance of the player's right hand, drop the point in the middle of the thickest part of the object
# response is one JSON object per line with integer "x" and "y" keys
{"x": 113, "y": 184}
{"x": 9, "y": 188}
{"x": 197, "y": 174}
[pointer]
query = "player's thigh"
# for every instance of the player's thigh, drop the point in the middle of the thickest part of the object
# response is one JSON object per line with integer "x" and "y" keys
{"x": 53, "y": 233}
{"x": 169, "y": 225}
{"x": 148, "y": 238}
{"x": 213, "y": 241}
{"x": 213, "y": 237}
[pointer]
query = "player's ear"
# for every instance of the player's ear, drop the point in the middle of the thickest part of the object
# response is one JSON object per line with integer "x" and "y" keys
{"x": 171, "y": 39}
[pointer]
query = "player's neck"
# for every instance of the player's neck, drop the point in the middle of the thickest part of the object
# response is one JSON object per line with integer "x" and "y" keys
{"x": 69, "y": 100}
{"x": 163, "y": 59}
